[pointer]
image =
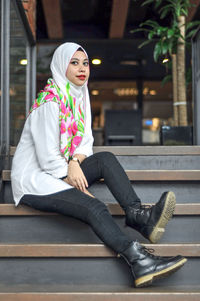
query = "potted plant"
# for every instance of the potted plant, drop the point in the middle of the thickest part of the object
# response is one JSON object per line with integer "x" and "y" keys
{"x": 170, "y": 42}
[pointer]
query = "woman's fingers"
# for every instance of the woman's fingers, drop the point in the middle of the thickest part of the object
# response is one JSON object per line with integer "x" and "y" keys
{"x": 85, "y": 181}
{"x": 79, "y": 184}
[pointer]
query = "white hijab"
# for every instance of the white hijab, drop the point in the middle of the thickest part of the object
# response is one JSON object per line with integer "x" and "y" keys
{"x": 59, "y": 65}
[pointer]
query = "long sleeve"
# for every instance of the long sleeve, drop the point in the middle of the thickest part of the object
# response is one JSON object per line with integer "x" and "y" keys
{"x": 86, "y": 145}
{"x": 46, "y": 136}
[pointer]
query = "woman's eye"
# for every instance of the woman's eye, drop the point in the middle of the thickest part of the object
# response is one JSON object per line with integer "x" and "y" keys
{"x": 74, "y": 63}
{"x": 85, "y": 63}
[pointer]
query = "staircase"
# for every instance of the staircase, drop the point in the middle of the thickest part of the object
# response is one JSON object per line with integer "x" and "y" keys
{"x": 48, "y": 257}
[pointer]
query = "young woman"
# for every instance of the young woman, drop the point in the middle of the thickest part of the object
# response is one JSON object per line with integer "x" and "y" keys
{"x": 54, "y": 165}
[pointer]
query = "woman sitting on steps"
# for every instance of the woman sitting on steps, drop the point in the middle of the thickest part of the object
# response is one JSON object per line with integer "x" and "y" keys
{"x": 54, "y": 165}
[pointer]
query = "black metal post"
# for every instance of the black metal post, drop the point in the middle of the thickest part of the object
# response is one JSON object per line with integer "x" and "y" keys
{"x": 31, "y": 77}
{"x": 5, "y": 81}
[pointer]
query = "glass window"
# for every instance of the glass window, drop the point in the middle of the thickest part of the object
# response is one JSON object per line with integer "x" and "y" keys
{"x": 18, "y": 64}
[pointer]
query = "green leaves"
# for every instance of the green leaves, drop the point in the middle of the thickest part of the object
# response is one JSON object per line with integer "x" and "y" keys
{"x": 192, "y": 24}
{"x": 144, "y": 43}
{"x": 170, "y": 32}
{"x": 169, "y": 37}
{"x": 157, "y": 51}
{"x": 166, "y": 79}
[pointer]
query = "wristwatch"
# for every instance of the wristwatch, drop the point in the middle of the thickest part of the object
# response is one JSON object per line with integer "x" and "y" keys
{"x": 75, "y": 160}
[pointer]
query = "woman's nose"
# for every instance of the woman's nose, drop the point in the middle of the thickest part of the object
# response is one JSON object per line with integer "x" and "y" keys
{"x": 82, "y": 68}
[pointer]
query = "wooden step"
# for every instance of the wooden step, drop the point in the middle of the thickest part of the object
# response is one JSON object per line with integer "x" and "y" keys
{"x": 148, "y": 175}
{"x": 143, "y": 150}
{"x": 125, "y": 295}
{"x": 90, "y": 250}
{"x": 115, "y": 209}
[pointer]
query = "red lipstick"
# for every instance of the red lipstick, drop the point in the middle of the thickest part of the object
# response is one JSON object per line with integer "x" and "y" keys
{"x": 81, "y": 77}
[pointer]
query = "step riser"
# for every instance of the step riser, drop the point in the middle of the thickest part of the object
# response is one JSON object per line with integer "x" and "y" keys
{"x": 95, "y": 272}
{"x": 60, "y": 229}
{"x": 149, "y": 192}
{"x": 159, "y": 162}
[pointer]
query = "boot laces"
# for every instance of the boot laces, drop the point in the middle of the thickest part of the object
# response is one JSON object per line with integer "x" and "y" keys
{"x": 148, "y": 251}
{"x": 144, "y": 208}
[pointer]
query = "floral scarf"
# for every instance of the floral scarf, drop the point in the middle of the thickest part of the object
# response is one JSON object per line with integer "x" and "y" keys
{"x": 71, "y": 121}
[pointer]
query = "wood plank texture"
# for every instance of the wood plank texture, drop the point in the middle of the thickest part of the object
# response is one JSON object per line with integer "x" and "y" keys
{"x": 149, "y": 150}
{"x": 118, "y": 18}
{"x": 53, "y": 20}
{"x": 90, "y": 250}
{"x": 115, "y": 209}
{"x": 129, "y": 295}
{"x": 143, "y": 150}
{"x": 148, "y": 175}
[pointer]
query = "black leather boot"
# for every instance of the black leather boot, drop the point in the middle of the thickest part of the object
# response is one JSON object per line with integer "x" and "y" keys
{"x": 147, "y": 267}
{"x": 150, "y": 221}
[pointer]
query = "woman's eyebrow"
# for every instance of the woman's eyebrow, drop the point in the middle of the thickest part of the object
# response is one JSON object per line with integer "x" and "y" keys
{"x": 74, "y": 58}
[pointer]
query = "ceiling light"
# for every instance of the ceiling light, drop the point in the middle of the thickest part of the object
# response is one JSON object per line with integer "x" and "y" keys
{"x": 126, "y": 91}
{"x": 152, "y": 92}
{"x": 165, "y": 61}
{"x": 145, "y": 91}
{"x": 23, "y": 62}
{"x": 96, "y": 61}
{"x": 95, "y": 92}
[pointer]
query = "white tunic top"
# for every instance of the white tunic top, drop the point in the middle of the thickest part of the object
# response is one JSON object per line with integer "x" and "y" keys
{"x": 37, "y": 163}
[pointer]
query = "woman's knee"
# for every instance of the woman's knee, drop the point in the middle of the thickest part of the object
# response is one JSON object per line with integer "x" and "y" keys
{"x": 106, "y": 157}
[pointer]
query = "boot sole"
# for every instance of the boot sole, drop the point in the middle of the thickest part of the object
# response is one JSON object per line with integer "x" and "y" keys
{"x": 168, "y": 210}
{"x": 148, "y": 279}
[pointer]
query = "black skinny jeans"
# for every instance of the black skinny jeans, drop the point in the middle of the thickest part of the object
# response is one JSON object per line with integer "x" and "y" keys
{"x": 74, "y": 203}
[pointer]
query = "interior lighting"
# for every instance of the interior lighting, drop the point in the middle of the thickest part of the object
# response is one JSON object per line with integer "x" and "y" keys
{"x": 96, "y": 61}
{"x": 152, "y": 92}
{"x": 95, "y": 92}
{"x": 165, "y": 60}
{"x": 126, "y": 91}
{"x": 145, "y": 91}
{"x": 23, "y": 62}
{"x": 156, "y": 123}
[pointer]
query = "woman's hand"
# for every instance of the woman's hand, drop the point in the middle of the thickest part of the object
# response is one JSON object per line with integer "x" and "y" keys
{"x": 76, "y": 176}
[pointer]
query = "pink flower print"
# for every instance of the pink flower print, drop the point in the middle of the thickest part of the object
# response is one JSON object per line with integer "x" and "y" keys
{"x": 52, "y": 90}
{"x": 70, "y": 131}
{"x": 62, "y": 150}
{"x": 74, "y": 128}
{"x": 62, "y": 127}
{"x": 35, "y": 106}
{"x": 63, "y": 108}
{"x": 72, "y": 149}
{"x": 48, "y": 97}
{"x": 77, "y": 140}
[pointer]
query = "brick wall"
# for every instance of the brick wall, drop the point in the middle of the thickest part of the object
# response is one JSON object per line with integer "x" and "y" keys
{"x": 30, "y": 9}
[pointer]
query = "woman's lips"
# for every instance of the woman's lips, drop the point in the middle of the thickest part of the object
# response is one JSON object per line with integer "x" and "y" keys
{"x": 81, "y": 77}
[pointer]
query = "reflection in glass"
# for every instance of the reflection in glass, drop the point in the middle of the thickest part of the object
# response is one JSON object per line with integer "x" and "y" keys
{"x": 17, "y": 77}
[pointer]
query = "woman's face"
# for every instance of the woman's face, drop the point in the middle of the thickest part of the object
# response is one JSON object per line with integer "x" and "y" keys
{"x": 78, "y": 69}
